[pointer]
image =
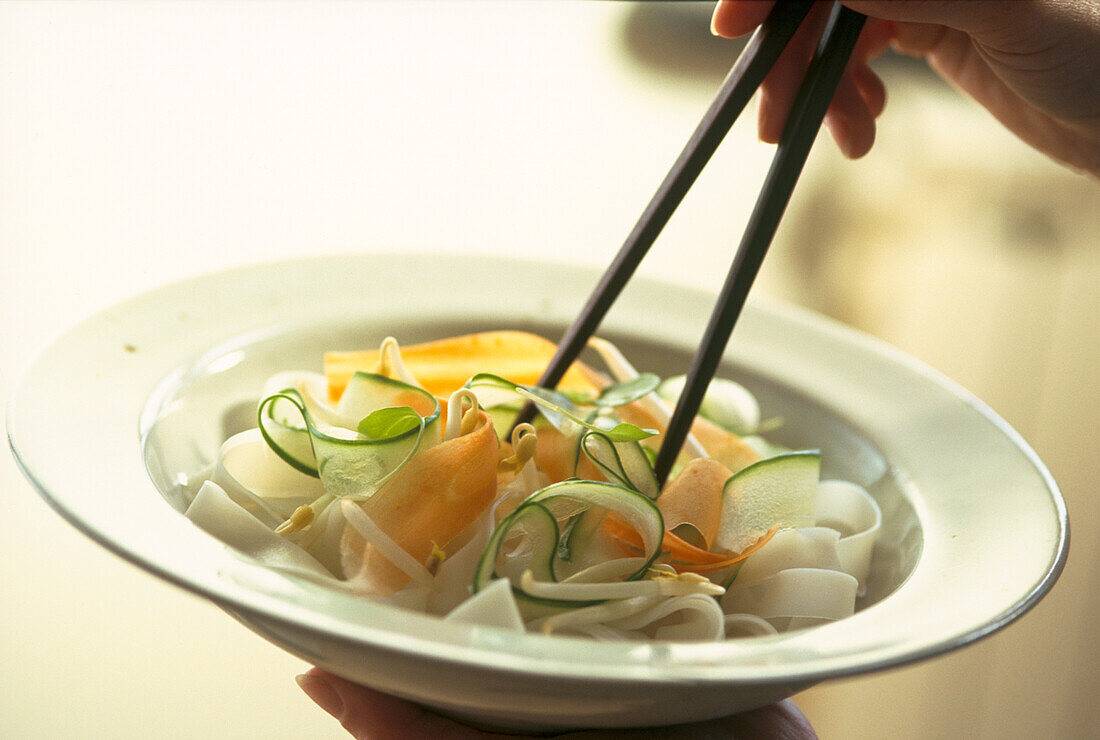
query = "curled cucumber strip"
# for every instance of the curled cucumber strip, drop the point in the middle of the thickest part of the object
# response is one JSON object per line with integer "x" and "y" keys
{"x": 494, "y": 391}
{"x": 556, "y": 407}
{"x": 619, "y": 432}
{"x": 347, "y": 462}
{"x": 288, "y": 438}
{"x": 368, "y": 392}
{"x": 533, "y": 519}
{"x": 623, "y": 462}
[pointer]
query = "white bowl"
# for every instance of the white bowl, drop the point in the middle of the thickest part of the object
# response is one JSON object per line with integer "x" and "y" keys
{"x": 975, "y": 531}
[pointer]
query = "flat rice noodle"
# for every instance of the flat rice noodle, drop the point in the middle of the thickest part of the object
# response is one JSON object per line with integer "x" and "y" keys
{"x": 796, "y": 578}
{"x": 690, "y": 618}
{"x": 454, "y": 575}
{"x": 444, "y": 366}
{"x": 429, "y": 501}
{"x": 806, "y": 547}
{"x": 581, "y": 591}
{"x": 413, "y": 596}
{"x": 321, "y": 538}
{"x": 747, "y": 625}
{"x": 851, "y": 510}
{"x": 796, "y": 593}
{"x": 492, "y": 606}
{"x": 603, "y": 633}
{"x": 576, "y": 619}
{"x": 681, "y": 618}
{"x": 261, "y": 481}
{"x": 213, "y": 511}
{"x": 694, "y": 497}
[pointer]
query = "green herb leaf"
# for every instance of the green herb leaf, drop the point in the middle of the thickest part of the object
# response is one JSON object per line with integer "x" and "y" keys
{"x": 624, "y": 432}
{"x": 579, "y": 398}
{"x": 490, "y": 381}
{"x": 621, "y": 432}
{"x": 560, "y": 411}
{"x": 389, "y": 422}
{"x": 627, "y": 391}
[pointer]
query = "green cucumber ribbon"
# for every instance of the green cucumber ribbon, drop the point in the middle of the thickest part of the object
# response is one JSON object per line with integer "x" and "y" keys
{"x": 537, "y": 519}
{"x": 357, "y": 446}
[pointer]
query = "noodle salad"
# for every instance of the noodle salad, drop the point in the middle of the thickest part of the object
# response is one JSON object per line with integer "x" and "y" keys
{"x": 397, "y": 474}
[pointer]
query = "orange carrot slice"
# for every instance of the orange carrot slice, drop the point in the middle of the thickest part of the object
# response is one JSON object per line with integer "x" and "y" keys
{"x": 684, "y": 556}
{"x": 677, "y": 548}
{"x": 722, "y": 565}
{"x": 428, "y": 502}
{"x": 694, "y": 497}
{"x": 556, "y": 456}
{"x": 725, "y": 447}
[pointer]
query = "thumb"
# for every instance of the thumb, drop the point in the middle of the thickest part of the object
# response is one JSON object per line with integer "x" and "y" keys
{"x": 371, "y": 715}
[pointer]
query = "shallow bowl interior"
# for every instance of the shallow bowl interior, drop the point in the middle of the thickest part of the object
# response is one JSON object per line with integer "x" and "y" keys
{"x": 200, "y": 405}
{"x": 182, "y": 368}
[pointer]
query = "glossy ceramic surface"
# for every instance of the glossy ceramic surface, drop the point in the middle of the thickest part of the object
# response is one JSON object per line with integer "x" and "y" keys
{"x": 175, "y": 371}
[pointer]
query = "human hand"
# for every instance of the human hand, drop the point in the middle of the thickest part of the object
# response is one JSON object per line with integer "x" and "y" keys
{"x": 1034, "y": 65}
{"x": 366, "y": 713}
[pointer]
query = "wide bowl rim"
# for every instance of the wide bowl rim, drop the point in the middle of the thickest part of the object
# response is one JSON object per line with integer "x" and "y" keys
{"x": 242, "y": 587}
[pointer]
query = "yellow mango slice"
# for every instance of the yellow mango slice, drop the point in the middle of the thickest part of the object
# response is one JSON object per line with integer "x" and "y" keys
{"x": 443, "y": 366}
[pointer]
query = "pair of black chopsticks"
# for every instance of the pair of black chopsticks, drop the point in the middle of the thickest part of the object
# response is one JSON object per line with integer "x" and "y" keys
{"x": 812, "y": 100}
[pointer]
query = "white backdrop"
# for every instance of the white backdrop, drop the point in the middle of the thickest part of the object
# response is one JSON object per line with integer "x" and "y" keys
{"x": 141, "y": 143}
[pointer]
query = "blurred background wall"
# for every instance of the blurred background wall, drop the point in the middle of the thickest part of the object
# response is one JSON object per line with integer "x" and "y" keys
{"x": 145, "y": 142}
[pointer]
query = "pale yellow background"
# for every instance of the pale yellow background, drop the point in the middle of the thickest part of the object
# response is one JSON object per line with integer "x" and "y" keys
{"x": 142, "y": 143}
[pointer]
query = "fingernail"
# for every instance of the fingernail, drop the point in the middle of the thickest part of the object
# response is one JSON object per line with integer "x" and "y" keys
{"x": 763, "y": 118}
{"x": 713, "y": 28}
{"x": 838, "y": 127}
{"x": 322, "y": 693}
